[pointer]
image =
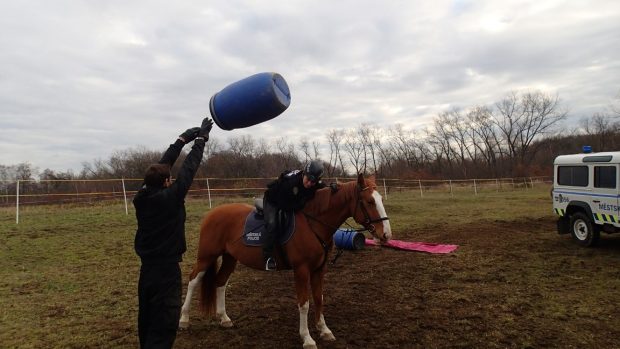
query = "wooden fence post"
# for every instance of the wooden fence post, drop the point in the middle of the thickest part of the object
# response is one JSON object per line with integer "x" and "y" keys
{"x": 384, "y": 189}
{"x": 17, "y": 203}
{"x": 125, "y": 196}
{"x": 209, "y": 192}
{"x": 421, "y": 193}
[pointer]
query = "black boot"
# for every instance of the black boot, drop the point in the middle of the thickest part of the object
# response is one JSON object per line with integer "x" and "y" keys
{"x": 270, "y": 261}
{"x": 270, "y": 264}
{"x": 271, "y": 226}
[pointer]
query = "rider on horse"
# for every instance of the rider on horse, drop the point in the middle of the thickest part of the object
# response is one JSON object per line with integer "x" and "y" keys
{"x": 289, "y": 193}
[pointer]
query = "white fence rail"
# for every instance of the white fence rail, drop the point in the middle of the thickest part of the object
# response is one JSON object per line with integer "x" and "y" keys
{"x": 30, "y": 192}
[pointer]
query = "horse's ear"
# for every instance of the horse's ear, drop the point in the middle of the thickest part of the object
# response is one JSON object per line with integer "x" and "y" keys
{"x": 372, "y": 178}
{"x": 360, "y": 180}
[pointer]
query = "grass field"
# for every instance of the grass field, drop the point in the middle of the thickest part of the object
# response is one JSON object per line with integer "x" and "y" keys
{"x": 68, "y": 279}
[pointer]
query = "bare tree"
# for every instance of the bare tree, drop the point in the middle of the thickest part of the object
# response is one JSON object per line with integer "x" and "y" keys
{"x": 242, "y": 146}
{"x": 398, "y": 150}
{"x": 212, "y": 147}
{"x": 97, "y": 169}
{"x": 365, "y": 137}
{"x": 507, "y": 120}
{"x": 334, "y": 140}
{"x": 460, "y": 138}
{"x": 304, "y": 146}
{"x": 287, "y": 150}
{"x": 361, "y": 135}
{"x": 315, "y": 147}
{"x": 541, "y": 112}
{"x": 403, "y": 145}
{"x": 381, "y": 149}
{"x": 131, "y": 163}
{"x": 485, "y": 133}
{"x": 355, "y": 150}
{"x": 21, "y": 171}
{"x": 522, "y": 119}
{"x": 440, "y": 138}
{"x": 600, "y": 128}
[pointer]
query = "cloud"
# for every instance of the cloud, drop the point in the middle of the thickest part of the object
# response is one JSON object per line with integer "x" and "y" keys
{"x": 82, "y": 79}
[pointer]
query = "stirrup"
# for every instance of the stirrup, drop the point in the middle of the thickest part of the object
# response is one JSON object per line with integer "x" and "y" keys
{"x": 270, "y": 264}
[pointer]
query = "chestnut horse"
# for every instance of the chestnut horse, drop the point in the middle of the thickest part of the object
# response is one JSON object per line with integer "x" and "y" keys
{"x": 221, "y": 236}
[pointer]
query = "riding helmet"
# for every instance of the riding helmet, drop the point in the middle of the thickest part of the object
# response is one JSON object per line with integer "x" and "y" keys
{"x": 314, "y": 170}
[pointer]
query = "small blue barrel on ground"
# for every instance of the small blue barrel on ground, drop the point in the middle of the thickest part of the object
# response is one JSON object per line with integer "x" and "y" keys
{"x": 250, "y": 101}
{"x": 349, "y": 239}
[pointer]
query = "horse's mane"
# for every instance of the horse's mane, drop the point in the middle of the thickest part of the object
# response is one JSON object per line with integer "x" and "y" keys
{"x": 322, "y": 198}
{"x": 319, "y": 202}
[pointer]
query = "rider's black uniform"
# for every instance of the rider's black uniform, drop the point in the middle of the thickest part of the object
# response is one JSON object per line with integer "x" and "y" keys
{"x": 286, "y": 194}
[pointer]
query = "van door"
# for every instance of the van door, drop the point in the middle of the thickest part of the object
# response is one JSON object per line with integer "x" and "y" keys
{"x": 605, "y": 195}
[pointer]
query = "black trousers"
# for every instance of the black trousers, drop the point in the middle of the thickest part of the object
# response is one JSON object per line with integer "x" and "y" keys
{"x": 159, "y": 296}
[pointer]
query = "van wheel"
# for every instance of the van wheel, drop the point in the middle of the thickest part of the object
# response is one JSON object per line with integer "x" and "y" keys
{"x": 582, "y": 230}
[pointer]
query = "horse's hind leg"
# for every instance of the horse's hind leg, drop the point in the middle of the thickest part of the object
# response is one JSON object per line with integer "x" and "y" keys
{"x": 316, "y": 281}
{"x": 228, "y": 266}
{"x": 195, "y": 278}
{"x": 301, "y": 286}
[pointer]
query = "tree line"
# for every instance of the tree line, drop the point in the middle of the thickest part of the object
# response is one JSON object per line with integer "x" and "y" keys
{"x": 519, "y": 135}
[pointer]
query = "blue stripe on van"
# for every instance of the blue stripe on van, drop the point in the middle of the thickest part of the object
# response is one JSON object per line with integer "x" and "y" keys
{"x": 587, "y": 194}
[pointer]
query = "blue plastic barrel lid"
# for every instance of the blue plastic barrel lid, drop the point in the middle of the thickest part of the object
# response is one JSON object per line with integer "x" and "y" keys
{"x": 281, "y": 90}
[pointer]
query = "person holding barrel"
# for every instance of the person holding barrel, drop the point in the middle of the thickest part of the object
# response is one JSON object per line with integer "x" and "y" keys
{"x": 285, "y": 195}
{"x": 160, "y": 238}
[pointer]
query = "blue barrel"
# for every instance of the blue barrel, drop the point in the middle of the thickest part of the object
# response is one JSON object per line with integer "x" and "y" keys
{"x": 349, "y": 239}
{"x": 250, "y": 101}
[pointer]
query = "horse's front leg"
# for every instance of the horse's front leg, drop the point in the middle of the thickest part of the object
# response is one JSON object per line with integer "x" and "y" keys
{"x": 302, "y": 278}
{"x": 316, "y": 282}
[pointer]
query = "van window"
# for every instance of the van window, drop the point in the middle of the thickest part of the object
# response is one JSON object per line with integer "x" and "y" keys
{"x": 576, "y": 176}
{"x": 605, "y": 177}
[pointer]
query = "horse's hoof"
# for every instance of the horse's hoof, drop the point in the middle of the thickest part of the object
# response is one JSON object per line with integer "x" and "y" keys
{"x": 183, "y": 325}
{"x": 226, "y": 324}
{"x": 328, "y": 336}
{"x": 310, "y": 346}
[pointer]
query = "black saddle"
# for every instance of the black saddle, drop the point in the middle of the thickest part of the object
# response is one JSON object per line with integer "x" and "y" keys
{"x": 255, "y": 226}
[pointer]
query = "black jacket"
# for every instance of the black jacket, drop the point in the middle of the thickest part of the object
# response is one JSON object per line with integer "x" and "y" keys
{"x": 288, "y": 191}
{"x": 160, "y": 212}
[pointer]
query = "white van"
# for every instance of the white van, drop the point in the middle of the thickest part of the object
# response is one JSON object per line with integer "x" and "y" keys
{"x": 585, "y": 195}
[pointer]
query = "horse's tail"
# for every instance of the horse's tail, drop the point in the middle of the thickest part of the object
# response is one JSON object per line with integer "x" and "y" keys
{"x": 208, "y": 294}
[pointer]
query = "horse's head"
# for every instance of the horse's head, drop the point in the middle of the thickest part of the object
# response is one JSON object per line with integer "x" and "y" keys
{"x": 369, "y": 210}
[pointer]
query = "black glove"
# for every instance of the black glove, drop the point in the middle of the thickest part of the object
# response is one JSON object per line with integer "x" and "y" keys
{"x": 190, "y": 134}
{"x": 333, "y": 187}
{"x": 205, "y": 128}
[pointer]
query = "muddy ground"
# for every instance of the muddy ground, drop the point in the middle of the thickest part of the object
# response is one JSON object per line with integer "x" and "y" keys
{"x": 510, "y": 284}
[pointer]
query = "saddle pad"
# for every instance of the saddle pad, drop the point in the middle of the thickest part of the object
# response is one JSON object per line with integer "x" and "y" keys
{"x": 416, "y": 246}
{"x": 255, "y": 226}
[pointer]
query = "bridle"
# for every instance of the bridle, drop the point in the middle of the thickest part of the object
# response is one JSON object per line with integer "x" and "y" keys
{"x": 368, "y": 222}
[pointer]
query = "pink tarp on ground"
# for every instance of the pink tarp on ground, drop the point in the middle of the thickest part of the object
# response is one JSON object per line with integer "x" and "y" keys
{"x": 416, "y": 246}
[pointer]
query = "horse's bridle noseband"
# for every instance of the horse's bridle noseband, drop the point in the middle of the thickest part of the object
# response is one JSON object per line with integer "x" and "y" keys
{"x": 368, "y": 223}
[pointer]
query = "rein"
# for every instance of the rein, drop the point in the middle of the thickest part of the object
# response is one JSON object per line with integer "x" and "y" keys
{"x": 323, "y": 243}
{"x": 325, "y": 246}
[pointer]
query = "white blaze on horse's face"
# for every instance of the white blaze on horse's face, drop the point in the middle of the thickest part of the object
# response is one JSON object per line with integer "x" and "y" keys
{"x": 387, "y": 231}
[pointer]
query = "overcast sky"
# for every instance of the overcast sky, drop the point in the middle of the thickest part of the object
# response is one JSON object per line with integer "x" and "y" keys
{"x": 82, "y": 79}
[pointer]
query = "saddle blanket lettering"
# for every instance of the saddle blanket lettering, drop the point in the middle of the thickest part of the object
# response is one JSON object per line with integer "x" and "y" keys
{"x": 255, "y": 226}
